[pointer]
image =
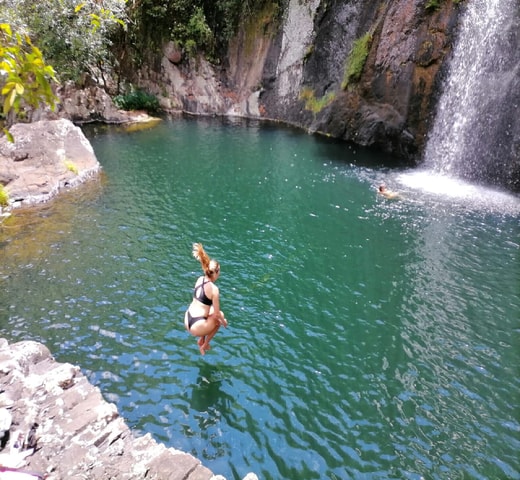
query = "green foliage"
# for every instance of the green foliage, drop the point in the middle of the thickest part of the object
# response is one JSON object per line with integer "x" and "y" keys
{"x": 196, "y": 25}
{"x": 75, "y": 37}
{"x": 198, "y": 32}
{"x": 356, "y": 60}
{"x": 314, "y": 104}
{"x": 4, "y": 196}
{"x": 137, "y": 100}
{"x": 25, "y": 78}
{"x": 434, "y": 5}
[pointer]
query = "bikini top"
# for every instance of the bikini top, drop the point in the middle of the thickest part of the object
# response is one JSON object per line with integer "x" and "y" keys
{"x": 200, "y": 294}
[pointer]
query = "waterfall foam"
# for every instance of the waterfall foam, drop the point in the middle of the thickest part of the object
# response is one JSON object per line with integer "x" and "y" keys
{"x": 476, "y": 135}
{"x": 456, "y": 193}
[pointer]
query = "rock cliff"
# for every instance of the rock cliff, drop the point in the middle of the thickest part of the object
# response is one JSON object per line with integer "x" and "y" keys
{"x": 293, "y": 70}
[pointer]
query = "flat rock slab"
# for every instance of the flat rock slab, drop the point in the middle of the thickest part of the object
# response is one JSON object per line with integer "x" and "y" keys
{"x": 78, "y": 435}
{"x": 45, "y": 157}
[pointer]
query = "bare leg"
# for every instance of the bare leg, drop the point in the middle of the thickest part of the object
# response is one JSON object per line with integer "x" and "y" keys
{"x": 206, "y": 345}
{"x": 200, "y": 342}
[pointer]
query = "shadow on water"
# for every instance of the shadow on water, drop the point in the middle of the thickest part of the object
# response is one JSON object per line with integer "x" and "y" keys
{"x": 207, "y": 394}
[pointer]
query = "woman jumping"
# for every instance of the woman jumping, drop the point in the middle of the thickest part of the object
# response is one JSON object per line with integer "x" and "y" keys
{"x": 204, "y": 317}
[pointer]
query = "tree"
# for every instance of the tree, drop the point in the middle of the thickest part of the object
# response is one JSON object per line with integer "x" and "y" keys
{"x": 75, "y": 36}
{"x": 25, "y": 78}
{"x": 198, "y": 26}
{"x": 75, "y": 39}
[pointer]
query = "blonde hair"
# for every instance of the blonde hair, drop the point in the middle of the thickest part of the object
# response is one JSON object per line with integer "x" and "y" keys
{"x": 209, "y": 266}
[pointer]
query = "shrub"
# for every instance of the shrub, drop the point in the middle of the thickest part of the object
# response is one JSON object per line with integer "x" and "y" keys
{"x": 137, "y": 100}
{"x": 432, "y": 5}
{"x": 75, "y": 37}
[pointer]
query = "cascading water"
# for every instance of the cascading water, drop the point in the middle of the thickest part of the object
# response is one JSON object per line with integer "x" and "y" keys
{"x": 476, "y": 135}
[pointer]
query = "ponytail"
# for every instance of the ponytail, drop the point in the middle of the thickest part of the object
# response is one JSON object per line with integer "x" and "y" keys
{"x": 209, "y": 266}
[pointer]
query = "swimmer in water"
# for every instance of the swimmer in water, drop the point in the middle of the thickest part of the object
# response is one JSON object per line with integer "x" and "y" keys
{"x": 382, "y": 190}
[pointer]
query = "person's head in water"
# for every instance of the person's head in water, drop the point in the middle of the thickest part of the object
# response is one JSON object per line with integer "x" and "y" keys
{"x": 210, "y": 267}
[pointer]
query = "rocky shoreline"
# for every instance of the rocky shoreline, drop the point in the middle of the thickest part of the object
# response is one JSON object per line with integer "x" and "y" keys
{"x": 55, "y": 425}
{"x": 51, "y": 155}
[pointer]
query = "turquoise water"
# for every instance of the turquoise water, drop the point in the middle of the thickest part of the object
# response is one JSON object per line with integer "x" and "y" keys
{"x": 368, "y": 338}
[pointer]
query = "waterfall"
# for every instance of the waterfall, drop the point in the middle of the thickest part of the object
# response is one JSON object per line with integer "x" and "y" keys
{"x": 476, "y": 133}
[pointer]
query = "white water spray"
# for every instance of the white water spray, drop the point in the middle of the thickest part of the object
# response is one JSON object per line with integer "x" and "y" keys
{"x": 474, "y": 145}
{"x": 476, "y": 134}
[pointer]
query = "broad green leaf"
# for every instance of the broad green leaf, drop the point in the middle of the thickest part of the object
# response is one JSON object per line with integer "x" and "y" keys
{"x": 9, "y": 101}
{"x": 36, "y": 51}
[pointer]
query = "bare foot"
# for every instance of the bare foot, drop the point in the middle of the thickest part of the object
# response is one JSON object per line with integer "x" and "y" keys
{"x": 202, "y": 351}
{"x": 200, "y": 341}
{"x": 224, "y": 322}
{"x": 206, "y": 346}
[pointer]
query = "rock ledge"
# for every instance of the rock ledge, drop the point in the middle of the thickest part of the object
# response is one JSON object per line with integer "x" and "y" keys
{"x": 46, "y": 157}
{"x": 60, "y": 427}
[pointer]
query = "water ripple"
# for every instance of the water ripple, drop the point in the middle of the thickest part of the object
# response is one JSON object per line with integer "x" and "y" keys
{"x": 366, "y": 340}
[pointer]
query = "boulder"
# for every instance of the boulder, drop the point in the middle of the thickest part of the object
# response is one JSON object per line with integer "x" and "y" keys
{"x": 172, "y": 52}
{"x": 45, "y": 157}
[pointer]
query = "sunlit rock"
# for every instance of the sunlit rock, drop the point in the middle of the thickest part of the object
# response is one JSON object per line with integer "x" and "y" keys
{"x": 45, "y": 157}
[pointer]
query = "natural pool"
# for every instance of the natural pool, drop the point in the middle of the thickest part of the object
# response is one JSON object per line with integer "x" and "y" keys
{"x": 368, "y": 338}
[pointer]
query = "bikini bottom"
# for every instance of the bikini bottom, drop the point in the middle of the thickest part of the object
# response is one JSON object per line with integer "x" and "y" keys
{"x": 193, "y": 320}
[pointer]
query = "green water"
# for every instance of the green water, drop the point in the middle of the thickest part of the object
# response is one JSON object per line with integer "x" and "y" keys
{"x": 368, "y": 338}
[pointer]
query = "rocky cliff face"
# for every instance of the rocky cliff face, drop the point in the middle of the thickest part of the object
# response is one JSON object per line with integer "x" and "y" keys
{"x": 391, "y": 104}
{"x": 293, "y": 71}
